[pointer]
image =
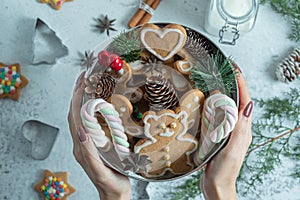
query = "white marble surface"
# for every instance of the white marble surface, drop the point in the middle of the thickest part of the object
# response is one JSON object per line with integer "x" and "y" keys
{"x": 46, "y": 97}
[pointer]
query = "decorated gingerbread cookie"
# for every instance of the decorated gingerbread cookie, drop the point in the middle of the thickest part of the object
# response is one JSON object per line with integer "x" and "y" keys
{"x": 125, "y": 109}
{"x": 11, "y": 81}
{"x": 193, "y": 100}
{"x": 56, "y": 4}
{"x": 163, "y": 42}
{"x": 166, "y": 131}
{"x": 184, "y": 66}
{"x": 54, "y": 186}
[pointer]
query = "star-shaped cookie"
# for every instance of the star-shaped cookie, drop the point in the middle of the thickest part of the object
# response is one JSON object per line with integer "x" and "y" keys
{"x": 56, "y": 4}
{"x": 54, "y": 186}
{"x": 11, "y": 81}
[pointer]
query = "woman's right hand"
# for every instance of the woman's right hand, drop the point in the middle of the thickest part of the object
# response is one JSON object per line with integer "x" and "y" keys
{"x": 219, "y": 178}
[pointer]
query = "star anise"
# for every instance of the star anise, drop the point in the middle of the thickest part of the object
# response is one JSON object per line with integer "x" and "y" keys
{"x": 88, "y": 59}
{"x": 105, "y": 25}
{"x": 136, "y": 162}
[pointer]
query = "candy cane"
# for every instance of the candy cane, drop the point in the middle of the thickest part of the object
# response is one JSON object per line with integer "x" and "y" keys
{"x": 219, "y": 117}
{"x": 113, "y": 120}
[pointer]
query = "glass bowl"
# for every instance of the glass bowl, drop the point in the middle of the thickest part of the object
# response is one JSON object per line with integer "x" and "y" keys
{"x": 157, "y": 101}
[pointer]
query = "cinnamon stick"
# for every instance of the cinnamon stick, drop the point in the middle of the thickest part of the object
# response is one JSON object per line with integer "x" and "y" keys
{"x": 139, "y": 14}
{"x": 147, "y": 15}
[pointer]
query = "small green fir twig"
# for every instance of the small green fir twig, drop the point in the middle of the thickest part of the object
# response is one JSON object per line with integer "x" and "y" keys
{"x": 128, "y": 46}
{"x": 214, "y": 73}
{"x": 190, "y": 189}
{"x": 295, "y": 34}
{"x": 291, "y": 10}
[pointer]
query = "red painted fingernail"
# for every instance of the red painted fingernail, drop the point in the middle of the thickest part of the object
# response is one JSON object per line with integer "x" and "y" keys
{"x": 81, "y": 134}
{"x": 248, "y": 109}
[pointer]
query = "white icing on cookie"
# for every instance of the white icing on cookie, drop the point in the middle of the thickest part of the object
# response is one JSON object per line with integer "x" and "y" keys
{"x": 184, "y": 69}
{"x": 161, "y": 33}
{"x": 182, "y": 118}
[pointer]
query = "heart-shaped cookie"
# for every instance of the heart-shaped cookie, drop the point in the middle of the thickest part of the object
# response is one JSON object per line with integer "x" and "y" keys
{"x": 163, "y": 42}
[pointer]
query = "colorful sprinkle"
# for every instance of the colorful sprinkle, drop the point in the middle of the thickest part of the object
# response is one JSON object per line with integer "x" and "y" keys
{"x": 9, "y": 79}
{"x": 54, "y": 188}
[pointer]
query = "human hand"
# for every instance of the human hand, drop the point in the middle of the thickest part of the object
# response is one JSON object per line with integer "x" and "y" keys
{"x": 219, "y": 178}
{"x": 109, "y": 183}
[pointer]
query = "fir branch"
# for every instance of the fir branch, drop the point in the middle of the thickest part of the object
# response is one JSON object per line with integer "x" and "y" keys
{"x": 127, "y": 45}
{"x": 291, "y": 10}
{"x": 214, "y": 73}
{"x": 271, "y": 140}
{"x": 295, "y": 31}
{"x": 274, "y": 135}
{"x": 190, "y": 189}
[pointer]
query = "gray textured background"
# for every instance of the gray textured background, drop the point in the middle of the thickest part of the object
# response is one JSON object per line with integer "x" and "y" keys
{"x": 46, "y": 97}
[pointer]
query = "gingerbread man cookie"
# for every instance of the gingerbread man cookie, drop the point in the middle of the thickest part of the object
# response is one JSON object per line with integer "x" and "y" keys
{"x": 11, "y": 81}
{"x": 163, "y": 42}
{"x": 56, "y": 4}
{"x": 166, "y": 131}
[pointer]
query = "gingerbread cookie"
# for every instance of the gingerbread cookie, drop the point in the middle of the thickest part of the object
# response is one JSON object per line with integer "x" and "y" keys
{"x": 163, "y": 42}
{"x": 184, "y": 66}
{"x": 193, "y": 100}
{"x": 125, "y": 109}
{"x": 54, "y": 186}
{"x": 56, "y": 4}
{"x": 11, "y": 81}
{"x": 166, "y": 131}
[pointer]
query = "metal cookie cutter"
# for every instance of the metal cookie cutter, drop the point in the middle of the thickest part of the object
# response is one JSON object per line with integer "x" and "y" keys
{"x": 42, "y": 137}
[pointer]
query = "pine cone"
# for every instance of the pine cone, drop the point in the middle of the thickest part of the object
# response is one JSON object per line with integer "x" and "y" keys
{"x": 289, "y": 69}
{"x": 100, "y": 86}
{"x": 160, "y": 93}
{"x": 196, "y": 45}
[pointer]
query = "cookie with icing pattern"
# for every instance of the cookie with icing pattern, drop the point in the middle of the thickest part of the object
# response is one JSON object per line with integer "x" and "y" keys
{"x": 163, "y": 42}
{"x": 166, "y": 131}
{"x": 11, "y": 81}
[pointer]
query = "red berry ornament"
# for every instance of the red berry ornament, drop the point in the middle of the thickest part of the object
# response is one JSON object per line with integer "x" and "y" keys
{"x": 116, "y": 62}
{"x": 104, "y": 58}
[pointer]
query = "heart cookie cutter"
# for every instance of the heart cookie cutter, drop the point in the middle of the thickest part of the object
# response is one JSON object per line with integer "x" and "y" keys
{"x": 42, "y": 137}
